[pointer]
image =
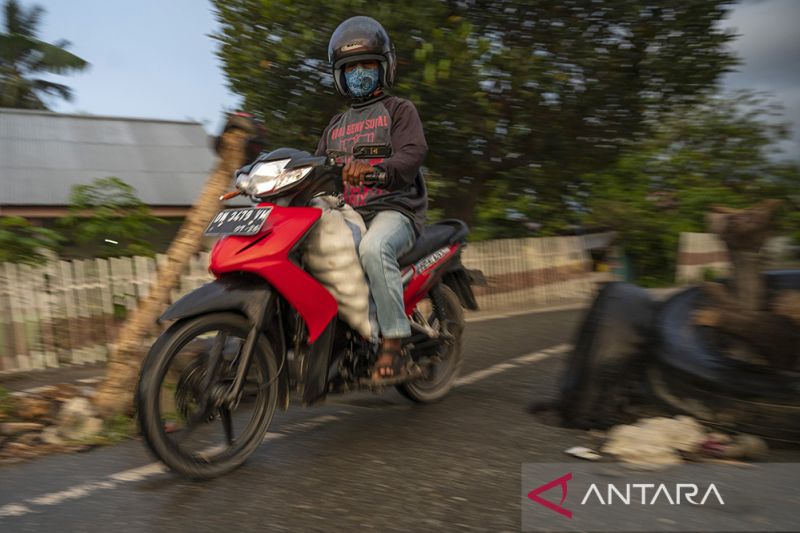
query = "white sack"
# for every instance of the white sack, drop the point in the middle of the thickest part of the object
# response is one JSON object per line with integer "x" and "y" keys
{"x": 331, "y": 256}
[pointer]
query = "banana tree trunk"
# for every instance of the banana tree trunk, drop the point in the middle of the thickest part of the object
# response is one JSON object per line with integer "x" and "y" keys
{"x": 115, "y": 394}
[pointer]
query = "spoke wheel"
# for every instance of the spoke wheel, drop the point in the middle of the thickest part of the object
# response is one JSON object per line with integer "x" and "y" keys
{"x": 181, "y": 398}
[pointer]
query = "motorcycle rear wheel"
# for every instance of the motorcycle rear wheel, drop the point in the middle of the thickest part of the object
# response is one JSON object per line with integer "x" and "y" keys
{"x": 441, "y": 376}
{"x": 171, "y": 386}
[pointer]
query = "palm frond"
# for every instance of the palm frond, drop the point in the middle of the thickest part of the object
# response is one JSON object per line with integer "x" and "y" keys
{"x": 54, "y": 89}
{"x": 20, "y": 21}
{"x": 23, "y": 55}
{"x": 53, "y": 59}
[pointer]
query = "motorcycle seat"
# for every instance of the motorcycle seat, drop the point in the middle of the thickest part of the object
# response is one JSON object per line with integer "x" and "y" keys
{"x": 433, "y": 237}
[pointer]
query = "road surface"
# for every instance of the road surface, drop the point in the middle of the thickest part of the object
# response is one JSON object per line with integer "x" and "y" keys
{"x": 357, "y": 463}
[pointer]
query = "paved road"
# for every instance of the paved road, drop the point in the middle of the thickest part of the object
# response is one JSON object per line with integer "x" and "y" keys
{"x": 355, "y": 463}
{"x": 359, "y": 462}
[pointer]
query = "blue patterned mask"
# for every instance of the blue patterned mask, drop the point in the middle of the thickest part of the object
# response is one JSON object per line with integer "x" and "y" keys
{"x": 362, "y": 81}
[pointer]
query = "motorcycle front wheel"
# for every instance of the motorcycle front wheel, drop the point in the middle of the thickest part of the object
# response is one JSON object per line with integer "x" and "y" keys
{"x": 193, "y": 360}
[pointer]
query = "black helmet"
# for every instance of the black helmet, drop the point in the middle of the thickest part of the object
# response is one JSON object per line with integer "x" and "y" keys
{"x": 357, "y": 39}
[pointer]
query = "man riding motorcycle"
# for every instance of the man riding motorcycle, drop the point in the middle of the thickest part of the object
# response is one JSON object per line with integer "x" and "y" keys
{"x": 363, "y": 64}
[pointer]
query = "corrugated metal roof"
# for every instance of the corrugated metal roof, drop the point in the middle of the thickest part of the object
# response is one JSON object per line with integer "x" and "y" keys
{"x": 43, "y": 154}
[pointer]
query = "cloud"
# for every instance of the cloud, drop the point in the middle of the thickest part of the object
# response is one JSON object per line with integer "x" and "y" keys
{"x": 769, "y": 47}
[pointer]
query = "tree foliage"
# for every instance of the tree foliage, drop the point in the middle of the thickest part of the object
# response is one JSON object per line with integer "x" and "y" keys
{"x": 720, "y": 151}
{"x": 22, "y": 242}
{"x": 24, "y": 57}
{"x": 108, "y": 216}
{"x": 518, "y": 99}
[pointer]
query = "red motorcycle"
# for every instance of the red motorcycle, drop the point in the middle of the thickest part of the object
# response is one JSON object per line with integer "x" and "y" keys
{"x": 239, "y": 345}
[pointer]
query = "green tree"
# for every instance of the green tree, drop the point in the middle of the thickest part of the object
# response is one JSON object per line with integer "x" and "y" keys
{"x": 527, "y": 95}
{"x": 22, "y": 242}
{"x": 720, "y": 151}
{"x": 108, "y": 216}
{"x": 24, "y": 57}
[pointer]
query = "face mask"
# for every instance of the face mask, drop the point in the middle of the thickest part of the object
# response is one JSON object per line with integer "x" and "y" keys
{"x": 362, "y": 81}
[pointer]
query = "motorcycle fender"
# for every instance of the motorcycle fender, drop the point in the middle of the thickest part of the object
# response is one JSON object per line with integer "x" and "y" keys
{"x": 242, "y": 294}
{"x": 460, "y": 280}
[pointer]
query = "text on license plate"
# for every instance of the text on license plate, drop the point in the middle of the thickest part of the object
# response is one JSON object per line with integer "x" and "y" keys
{"x": 238, "y": 221}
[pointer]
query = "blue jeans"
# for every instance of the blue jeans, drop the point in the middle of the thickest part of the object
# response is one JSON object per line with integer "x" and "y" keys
{"x": 390, "y": 234}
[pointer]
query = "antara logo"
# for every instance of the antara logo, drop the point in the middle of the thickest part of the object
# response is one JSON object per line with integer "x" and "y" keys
{"x": 558, "y": 482}
{"x": 651, "y": 494}
{"x": 628, "y": 494}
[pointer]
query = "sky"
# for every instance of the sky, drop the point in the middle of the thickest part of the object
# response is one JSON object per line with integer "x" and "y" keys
{"x": 155, "y": 59}
{"x": 149, "y": 58}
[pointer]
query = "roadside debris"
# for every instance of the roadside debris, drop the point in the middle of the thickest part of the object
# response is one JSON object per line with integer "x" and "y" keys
{"x": 653, "y": 443}
{"x": 55, "y": 418}
{"x": 739, "y": 447}
{"x": 582, "y": 452}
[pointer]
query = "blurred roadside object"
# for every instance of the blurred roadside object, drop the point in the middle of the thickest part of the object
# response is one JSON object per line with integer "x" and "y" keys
{"x": 256, "y": 141}
{"x": 721, "y": 380}
{"x": 605, "y": 370}
{"x": 654, "y": 443}
{"x": 729, "y": 359}
{"x": 738, "y": 447}
{"x": 741, "y": 309}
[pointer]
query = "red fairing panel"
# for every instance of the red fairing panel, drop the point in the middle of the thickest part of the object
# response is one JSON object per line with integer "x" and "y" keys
{"x": 425, "y": 271}
{"x": 267, "y": 255}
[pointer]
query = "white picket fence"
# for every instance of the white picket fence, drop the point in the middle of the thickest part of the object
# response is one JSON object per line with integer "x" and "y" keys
{"x": 69, "y": 312}
{"x": 530, "y": 272}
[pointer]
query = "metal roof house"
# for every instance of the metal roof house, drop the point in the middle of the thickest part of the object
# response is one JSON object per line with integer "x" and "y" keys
{"x": 43, "y": 154}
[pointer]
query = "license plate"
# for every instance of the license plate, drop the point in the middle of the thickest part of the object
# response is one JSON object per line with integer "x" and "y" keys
{"x": 238, "y": 221}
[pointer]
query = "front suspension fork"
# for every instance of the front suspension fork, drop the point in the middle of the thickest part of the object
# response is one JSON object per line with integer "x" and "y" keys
{"x": 264, "y": 314}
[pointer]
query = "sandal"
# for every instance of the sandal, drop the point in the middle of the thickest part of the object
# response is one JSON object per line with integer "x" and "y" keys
{"x": 397, "y": 366}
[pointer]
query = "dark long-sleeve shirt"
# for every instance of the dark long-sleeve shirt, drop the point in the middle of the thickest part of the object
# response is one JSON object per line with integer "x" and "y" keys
{"x": 394, "y": 122}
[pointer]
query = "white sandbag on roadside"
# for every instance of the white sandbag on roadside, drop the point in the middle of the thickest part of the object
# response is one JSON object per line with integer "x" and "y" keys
{"x": 331, "y": 256}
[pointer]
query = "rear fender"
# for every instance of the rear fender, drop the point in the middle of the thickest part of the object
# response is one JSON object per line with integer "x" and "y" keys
{"x": 460, "y": 280}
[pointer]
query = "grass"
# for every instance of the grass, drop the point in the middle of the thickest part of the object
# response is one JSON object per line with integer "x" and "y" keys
{"x": 6, "y": 403}
{"x": 117, "y": 429}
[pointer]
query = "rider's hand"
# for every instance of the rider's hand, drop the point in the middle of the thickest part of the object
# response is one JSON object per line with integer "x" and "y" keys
{"x": 354, "y": 172}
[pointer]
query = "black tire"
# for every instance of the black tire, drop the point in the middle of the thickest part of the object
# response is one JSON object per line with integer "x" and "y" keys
{"x": 149, "y": 397}
{"x": 606, "y": 366}
{"x": 444, "y": 373}
{"x": 776, "y": 420}
{"x": 691, "y": 376}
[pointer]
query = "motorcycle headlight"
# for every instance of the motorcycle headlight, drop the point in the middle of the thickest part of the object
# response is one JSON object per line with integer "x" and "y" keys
{"x": 269, "y": 177}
